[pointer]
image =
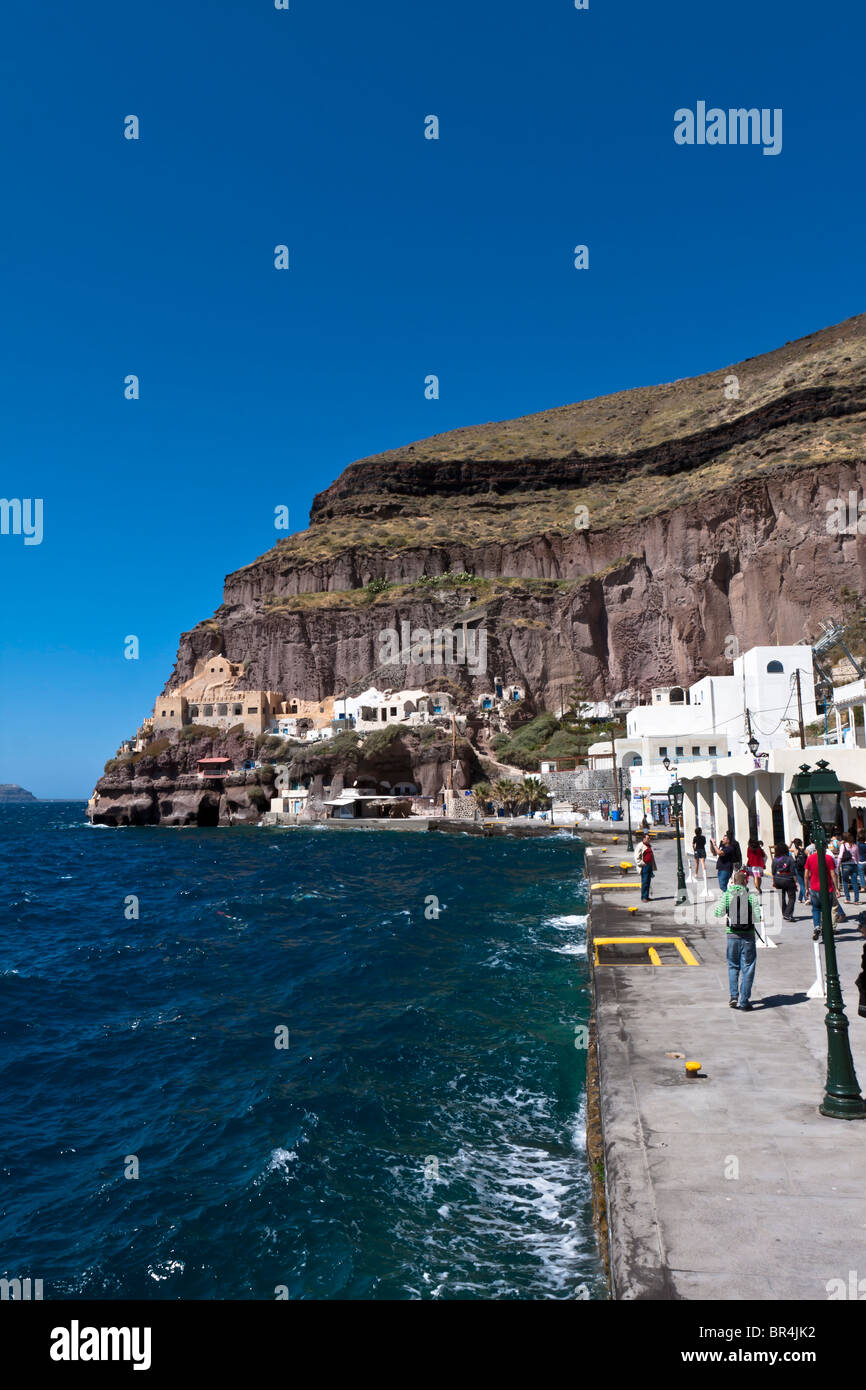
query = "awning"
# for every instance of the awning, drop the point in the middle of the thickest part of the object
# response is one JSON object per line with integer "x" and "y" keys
{"x": 858, "y": 799}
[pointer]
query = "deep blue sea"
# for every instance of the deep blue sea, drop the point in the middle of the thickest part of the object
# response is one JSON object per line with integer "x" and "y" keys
{"x": 420, "y": 1136}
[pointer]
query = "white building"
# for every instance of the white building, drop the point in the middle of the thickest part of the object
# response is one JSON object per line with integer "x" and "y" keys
{"x": 755, "y": 802}
{"x": 846, "y": 699}
{"x": 713, "y": 720}
{"x": 374, "y": 708}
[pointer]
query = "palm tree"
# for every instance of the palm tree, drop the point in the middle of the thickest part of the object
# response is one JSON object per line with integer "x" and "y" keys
{"x": 534, "y": 793}
{"x": 482, "y": 793}
{"x": 505, "y": 793}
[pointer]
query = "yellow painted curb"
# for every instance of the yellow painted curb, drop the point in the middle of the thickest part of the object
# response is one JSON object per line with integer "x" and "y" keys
{"x": 648, "y": 941}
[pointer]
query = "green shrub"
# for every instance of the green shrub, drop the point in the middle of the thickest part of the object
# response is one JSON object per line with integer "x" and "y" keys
{"x": 152, "y": 750}
{"x": 379, "y": 739}
{"x": 564, "y": 744}
{"x": 270, "y": 746}
{"x": 190, "y": 732}
{"x": 522, "y": 758}
{"x": 536, "y": 733}
{"x": 257, "y": 797}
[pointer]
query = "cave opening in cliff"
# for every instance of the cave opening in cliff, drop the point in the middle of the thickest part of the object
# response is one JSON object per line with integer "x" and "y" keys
{"x": 208, "y": 812}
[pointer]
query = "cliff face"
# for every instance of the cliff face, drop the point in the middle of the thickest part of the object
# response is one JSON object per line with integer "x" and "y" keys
{"x": 161, "y": 785}
{"x": 11, "y": 792}
{"x": 652, "y": 601}
{"x": 624, "y": 540}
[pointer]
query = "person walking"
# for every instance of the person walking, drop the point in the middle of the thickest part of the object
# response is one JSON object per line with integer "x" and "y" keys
{"x": 699, "y": 848}
{"x": 742, "y": 910}
{"x": 726, "y": 859}
{"x": 756, "y": 861}
{"x": 814, "y": 884}
{"x": 861, "y": 854}
{"x": 798, "y": 853}
{"x": 647, "y": 861}
{"x": 784, "y": 878}
{"x": 848, "y": 868}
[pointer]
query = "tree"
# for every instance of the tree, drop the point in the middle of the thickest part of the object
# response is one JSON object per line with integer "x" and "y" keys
{"x": 505, "y": 794}
{"x": 482, "y": 793}
{"x": 535, "y": 794}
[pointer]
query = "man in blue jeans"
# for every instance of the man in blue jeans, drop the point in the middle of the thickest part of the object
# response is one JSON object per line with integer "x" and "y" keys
{"x": 647, "y": 861}
{"x": 729, "y": 857}
{"x": 743, "y": 911}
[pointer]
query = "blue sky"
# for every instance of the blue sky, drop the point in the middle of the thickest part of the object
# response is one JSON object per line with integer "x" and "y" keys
{"x": 408, "y": 257}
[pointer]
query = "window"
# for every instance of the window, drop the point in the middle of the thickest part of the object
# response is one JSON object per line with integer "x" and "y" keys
{"x": 676, "y": 696}
{"x": 383, "y": 715}
{"x": 222, "y": 709}
{"x": 252, "y": 709}
{"x": 208, "y": 711}
{"x": 775, "y": 668}
{"x": 658, "y": 695}
{"x": 663, "y": 752}
{"x": 193, "y": 711}
{"x": 696, "y": 752}
{"x": 678, "y": 751}
{"x": 393, "y": 711}
{"x": 237, "y": 709}
{"x": 163, "y": 714}
{"x": 713, "y": 751}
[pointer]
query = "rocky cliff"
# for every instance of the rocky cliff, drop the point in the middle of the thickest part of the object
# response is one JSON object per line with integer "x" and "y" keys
{"x": 627, "y": 541}
{"x": 161, "y": 786}
{"x": 10, "y": 791}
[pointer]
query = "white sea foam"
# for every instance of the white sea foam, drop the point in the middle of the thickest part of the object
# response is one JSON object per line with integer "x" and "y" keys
{"x": 562, "y": 923}
{"x": 165, "y": 1269}
{"x": 573, "y": 948}
{"x": 280, "y": 1161}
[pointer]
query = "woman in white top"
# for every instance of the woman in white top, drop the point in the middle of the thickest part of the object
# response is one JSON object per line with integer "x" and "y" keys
{"x": 848, "y": 867}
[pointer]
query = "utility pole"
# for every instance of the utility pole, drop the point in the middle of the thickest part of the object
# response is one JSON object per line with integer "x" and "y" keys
{"x": 800, "y": 709}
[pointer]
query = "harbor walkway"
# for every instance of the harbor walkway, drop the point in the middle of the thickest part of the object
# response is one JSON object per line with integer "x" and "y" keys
{"x": 730, "y": 1185}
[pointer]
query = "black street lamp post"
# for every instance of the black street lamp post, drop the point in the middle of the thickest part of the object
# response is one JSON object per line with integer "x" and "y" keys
{"x": 817, "y": 796}
{"x": 628, "y": 808}
{"x": 675, "y": 795}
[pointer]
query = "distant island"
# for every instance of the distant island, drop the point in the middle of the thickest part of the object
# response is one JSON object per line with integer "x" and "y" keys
{"x": 10, "y": 791}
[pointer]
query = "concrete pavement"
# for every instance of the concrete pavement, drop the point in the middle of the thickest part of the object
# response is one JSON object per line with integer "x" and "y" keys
{"x": 732, "y": 1185}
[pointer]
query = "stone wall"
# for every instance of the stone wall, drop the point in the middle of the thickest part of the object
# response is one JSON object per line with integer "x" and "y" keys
{"x": 584, "y": 785}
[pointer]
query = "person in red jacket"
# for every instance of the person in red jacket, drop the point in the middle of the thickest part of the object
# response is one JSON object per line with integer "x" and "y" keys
{"x": 647, "y": 861}
{"x": 813, "y": 883}
{"x": 756, "y": 862}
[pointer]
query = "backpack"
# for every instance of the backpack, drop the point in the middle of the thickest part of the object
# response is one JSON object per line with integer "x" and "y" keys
{"x": 800, "y": 861}
{"x": 846, "y": 856}
{"x": 783, "y": 871}
{"x": 740, "y": 912}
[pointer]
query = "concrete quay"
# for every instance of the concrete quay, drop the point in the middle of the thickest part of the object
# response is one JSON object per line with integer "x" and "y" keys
{"x": 729, "y": 1185}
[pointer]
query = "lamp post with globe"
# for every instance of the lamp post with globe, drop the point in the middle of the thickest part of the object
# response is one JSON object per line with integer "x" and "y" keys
{"x": 817, "y": 796}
